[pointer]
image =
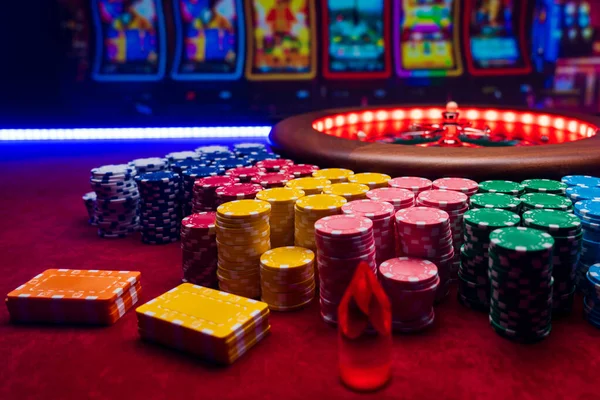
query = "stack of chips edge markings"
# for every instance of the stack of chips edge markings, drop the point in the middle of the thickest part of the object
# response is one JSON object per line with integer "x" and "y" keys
{"x": 282, "y": 217}
{"x": 159, "y": 211}
{"x": 199, "y": 249}
{"x": 591, "y": 301}
{"x": 588, "y": 211}
{"x": 308, "y": 210}
{"x": 89, "y": 200}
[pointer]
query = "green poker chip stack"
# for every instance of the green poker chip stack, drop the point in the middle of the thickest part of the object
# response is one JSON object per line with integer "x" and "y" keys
{"x": 499, "y": 186}
{"x": 473, "y": 280}
{"x": 521, "y": 283}
{"x": 496, "y": 200}
{"x": 548, "y": 201}
{"x": 544, "y": 186}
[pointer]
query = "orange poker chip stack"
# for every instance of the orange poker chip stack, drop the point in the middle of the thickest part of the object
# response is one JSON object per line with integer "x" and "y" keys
{"x": 75, "y": 297}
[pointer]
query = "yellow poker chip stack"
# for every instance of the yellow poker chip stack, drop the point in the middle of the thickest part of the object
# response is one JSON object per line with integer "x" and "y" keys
{"x": 287, "y": 278}
{"x": 349, "y": 191}
{"x": 74, "y": 296}
{"x": 281, "y": 220}
{"x": 243, "y": 235}
{"x": 309, "y": 209}
{"x": 308, "y": 185}
{"x": 373, "y": 180}
{"x": 335, "y": 175}
{"x": 214, "y": 325}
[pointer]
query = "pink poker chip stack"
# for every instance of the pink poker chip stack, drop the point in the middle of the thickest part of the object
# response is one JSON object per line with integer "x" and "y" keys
{"x": 382, "y": 216}
{"x": 199, "y": 249}
{"x": 425, "y": 232}
{"x": 236, "y": 191}
{"x": 413, "y": 183}
{"x": 273, "y": 179}
{"x": 411, "y": 285}
{"x": 463, "y": 185}
{"x": 300, "y": 170}
{"x": 244, "y": 174}
{"x": 456, "y": 204}
{"x": 343, "y": 242}
{"x": 273, "y": 164}
{"x": 205, "y": 198}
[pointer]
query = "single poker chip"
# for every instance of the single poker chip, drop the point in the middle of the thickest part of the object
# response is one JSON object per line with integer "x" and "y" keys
{"x": 581, "y": 180}
{"x": 244, "y": 172}
{"x": 551, "y": 220}
{"x": 409, "y": 270}
{"x": 392, "y": 195}
{"x": 335, "y": 175}
{"x": 274, "y": 164}
{"x": 320, "y": 202}
{"x": 350, "y": 191}
{"x": 212, "y": 149}
{"x": 495, "y": 200}
{"x": 300, "y": 170}
{"x": 309, "y": 185}
{"x": 546, "y": 200}
{"x": 500, "y": 186}
{"x": 369, "y": 208}
{"x": 215, "y": 181}
{"x": 579, "y": 193}
{"x": 521, "y": 239}
{"x": 491, "y": 218}
{"x": 287, "y": 257}
{"x": 588, "y": 208}
{"x": 413, "y": 183}
{"x": 244, "y": 209}
{"x": 544, "y": 186}
{"x": 238, "y": 191}
{"x": 182, "y": 155}
{"x": 463, "y": 185}
{"x": 371, "y": 179}
{"x": 444, "y": 199}
{"x": 203, "y": 221}
{"x": 272, "y": 179}
{"x": 280, "y": 195}
{"x": 112, "y": 170}
{"x": 343, "y": 226}
{"x": 425, "y": 217}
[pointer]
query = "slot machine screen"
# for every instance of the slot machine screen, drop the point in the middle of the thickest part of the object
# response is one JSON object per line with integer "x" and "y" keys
{"x": 356, "y": 34}
{"x": 130, "y": 40}
{"x": 281, "y": 39}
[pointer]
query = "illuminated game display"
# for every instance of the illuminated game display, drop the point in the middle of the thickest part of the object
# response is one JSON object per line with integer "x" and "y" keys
{"x": 281, "y": 39}
{"x": 355, "y": 41}
{"x": 209, "y": 39}
{"x": 131, "y": 40}
{"x": 494, "y": 30}
{"x": 427, "y": 38}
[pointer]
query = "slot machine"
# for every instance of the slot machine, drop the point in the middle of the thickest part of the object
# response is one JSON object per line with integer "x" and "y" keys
{"x": 356, "y": 50}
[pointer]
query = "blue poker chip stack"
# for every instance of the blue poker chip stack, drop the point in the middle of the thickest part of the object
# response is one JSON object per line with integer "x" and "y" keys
{"x": 188, "y": 178}
{"x": 182, "y": 155}
{"x": 215, "y": 148}
{"x": 151, "y": 164}
{"x": 242, "y": 149}
{"x": 117, "y": 199}
{"x": 588, "y": 212}
{"x": 591, "y": 301}
{"x": 229, "y": 163}
{"x": 89, "y": 200}
{"x": 179, "y": 166}
{"x": 586, "y": 181}
{"x": 580, "y": 193}
{"x": 159, "y": 209}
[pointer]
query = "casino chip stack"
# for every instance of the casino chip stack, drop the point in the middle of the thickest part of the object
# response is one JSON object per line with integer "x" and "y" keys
{"x": 413, "y": 183}
{"x": 308, "y": 185}
{"x": 237, "y": 191}
{"x": 159, "y": 210}
{"x": 544, "y": 186}
{"x": 300, "y": 170}
{"x": 411, "y": 285}
{"x": 579, "y": 193}
{"x": 89, "y": 200}
{"x": 533, "y": 201}
{"x": 205, "y": 198}
{"x": 272, "y": 179}
{"x": 399, "y": 198}
{"x": 182, "y": 155}
{"x": 588, "y": 212}
{"x": 244, "y": 174}
{"x": 591, "y": 302}
{"x": 499, "y": 186}
{"x": 248, "y": 147}
{"x": 152, "y": 164}
{"x": 581, "y": 180}
{"x": 382, "y": 216}
{"x": 217, "y": 326}
{"x": 520, "y": 272}
{"x": 349, "y": 191}
{"x": 334, "y": 175}
{"x": 463, "y": 185}
{"x": 189, "y": 178}
{"x": 565, "y": 228}
{"x": 66, "y": 296}
{"x": 343, "y": 242}
{"x": 117, "y": 199}
{"x": 308, "y": 210}
{"x": 287, "y": 278}
{"x": 281, "y": 220}
{"x": 242, "y": 228}
{"x": 502, "y": 201}
{"x": 372, "y": 179}
{"x": 473, "y": 280}
{"x": 274, "y": 165}
{"x": 199, "y": 249}
{"x": 424, "y": 232}
{"x": 211, "y": 149}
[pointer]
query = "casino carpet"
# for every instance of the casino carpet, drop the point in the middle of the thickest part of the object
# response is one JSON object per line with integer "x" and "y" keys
{"x": 44, "y": 226}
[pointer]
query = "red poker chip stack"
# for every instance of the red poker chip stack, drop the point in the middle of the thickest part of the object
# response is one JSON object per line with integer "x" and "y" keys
{"x": 205, "y": 198}
{"x": 456, "y": 204}
{"x": 199, "y": 249}
{"x": 343, "y": 242}
{"x": 463, "y": 185}
{"x": 273, "y": 164}
{"x": 244, "y": 174}
{"x": 411, "y": 285}
{"x": 382, "y": 215}
{"x": 413, "y": 183}
{"x": 399, "y": 198}
{"x": 237, "y": 191}
{"x": 300, "y": 170}
{"x": 272, "y": 179}
{"x": 424, "y": 232}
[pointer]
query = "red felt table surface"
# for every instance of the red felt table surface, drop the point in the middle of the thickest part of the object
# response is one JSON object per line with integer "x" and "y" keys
{"x": 44, "y": 225}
